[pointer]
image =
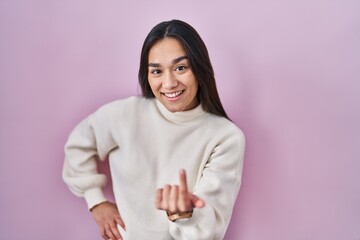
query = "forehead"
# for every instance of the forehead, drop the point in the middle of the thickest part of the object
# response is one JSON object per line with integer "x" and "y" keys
{"x": 166, "y": 50}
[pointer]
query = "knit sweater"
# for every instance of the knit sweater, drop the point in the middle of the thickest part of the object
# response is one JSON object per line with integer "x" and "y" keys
{"x": 146, "y": 146}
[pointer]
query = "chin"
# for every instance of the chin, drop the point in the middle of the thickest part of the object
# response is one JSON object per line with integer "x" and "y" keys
{"x": 173, "y": 109}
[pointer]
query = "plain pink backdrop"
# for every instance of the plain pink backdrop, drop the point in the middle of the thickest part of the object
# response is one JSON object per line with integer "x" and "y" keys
{"x": 287, "y": 73}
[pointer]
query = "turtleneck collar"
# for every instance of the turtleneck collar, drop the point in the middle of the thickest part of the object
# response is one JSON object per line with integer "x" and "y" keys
{"x": 180, "y": 116}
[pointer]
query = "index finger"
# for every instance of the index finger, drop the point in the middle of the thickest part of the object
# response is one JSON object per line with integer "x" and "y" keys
{"x": 183, "y": 185}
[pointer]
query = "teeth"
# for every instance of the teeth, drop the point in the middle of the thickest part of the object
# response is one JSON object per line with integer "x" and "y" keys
{"x": 172, "y": 95}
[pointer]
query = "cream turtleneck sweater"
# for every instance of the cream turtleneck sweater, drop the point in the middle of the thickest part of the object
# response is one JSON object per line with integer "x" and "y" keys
{"x": 146, "y": 146}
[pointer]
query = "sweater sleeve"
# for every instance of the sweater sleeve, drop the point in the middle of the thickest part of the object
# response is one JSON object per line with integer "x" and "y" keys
{"x": 90, "y": 140}
{"x": 219, "y": 185}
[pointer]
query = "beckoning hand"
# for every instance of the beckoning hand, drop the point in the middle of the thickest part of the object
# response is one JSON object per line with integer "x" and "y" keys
{"x": 175, "y": 199}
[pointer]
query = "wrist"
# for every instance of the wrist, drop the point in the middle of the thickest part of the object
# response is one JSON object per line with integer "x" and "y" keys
{"x": 180, "y": 215}
{"x": 91, "y": 209}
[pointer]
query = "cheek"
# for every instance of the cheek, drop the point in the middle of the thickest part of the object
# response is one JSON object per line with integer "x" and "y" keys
{"x": 194, "y": 85}
{"x": 153, "y": 84}
{"x": 196, "y": 89}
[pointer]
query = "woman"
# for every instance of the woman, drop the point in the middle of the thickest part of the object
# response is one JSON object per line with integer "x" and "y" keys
{"x": 175, "y": 157}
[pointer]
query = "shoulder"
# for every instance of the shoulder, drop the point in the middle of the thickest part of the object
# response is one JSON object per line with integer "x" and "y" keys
{"x": 125, "y": 104}
{"x": 223, "y": 128}
{"x": 121, "y": 109}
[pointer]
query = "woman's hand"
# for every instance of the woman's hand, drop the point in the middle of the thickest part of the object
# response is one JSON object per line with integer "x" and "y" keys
{"x": 107, "y": 217}
{"x": 175, "y": 199}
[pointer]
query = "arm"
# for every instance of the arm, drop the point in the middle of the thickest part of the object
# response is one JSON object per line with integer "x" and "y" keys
{"x": 218, "y": 187}
{"x": 89, "y": 141}
{"x": 80, "y": 167}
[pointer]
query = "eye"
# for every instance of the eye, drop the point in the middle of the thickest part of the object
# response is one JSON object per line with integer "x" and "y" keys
{"x": 155, "y": 71}
{"x": 180, "y": 68}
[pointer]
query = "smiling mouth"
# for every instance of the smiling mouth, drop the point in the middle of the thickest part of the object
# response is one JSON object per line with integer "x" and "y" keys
{"x": 173, "y": 94}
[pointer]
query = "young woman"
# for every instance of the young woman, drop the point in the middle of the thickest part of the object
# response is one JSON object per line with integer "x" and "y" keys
{"x": 175, "y": 157}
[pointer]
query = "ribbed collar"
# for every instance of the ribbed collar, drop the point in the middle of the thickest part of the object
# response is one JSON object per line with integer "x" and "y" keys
{"x": 180, "y": 116}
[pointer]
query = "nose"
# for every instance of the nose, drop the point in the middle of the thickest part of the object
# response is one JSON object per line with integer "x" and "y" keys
{"x": 169, "y": 81}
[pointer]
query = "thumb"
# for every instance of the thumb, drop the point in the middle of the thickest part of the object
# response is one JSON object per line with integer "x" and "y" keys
{"x": 119, "y": 221}
{"x": 196, "y": 201}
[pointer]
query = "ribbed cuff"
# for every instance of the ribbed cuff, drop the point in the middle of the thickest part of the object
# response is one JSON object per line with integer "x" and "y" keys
{"x": 94, "y": 196}
{"x": 202, "y": 225}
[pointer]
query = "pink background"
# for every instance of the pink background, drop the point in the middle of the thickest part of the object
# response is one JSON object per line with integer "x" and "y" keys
{"x": 287, "y": 72}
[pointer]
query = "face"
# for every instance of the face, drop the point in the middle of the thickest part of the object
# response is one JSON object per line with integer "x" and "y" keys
{"x": 170, "y": 76}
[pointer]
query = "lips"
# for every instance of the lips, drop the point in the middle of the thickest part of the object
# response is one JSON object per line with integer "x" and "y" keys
{"x": 173, "y": 94}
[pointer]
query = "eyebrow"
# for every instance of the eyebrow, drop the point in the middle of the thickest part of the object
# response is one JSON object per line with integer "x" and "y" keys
{"x": 176, "y": 60}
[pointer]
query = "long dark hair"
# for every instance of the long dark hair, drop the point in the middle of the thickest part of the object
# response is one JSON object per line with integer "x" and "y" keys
{"x": 198, "y": 56}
